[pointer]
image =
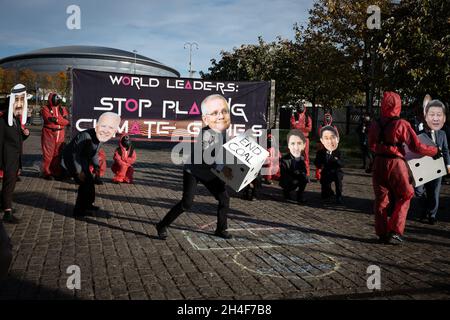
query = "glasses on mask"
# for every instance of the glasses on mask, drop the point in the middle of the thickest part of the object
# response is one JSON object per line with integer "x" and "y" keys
{"x": 215, "y": 114}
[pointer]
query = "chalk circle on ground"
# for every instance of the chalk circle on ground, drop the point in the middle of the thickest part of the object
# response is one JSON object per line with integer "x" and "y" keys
{"x": 291, "y": 262}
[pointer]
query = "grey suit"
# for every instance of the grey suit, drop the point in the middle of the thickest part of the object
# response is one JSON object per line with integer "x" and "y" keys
{"x": 429, "y": 192}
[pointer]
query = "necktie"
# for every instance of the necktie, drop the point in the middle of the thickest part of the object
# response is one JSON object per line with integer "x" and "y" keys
{"x": 433, "y": 136}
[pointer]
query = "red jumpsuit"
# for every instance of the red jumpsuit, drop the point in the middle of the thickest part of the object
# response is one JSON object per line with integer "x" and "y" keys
{"x": 123, "y": 163}
{"x": 391, "y": 184}
{"x": 303, "y": 123}
{"x": 327, "y": 121}
{"x": 55, "y": 119}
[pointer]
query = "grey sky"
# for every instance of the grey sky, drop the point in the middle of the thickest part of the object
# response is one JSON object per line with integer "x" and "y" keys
{"x": 157, "y": 29}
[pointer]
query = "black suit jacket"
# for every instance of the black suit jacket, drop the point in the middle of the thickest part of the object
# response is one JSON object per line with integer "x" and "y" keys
{"x": 288, "y": 172}
{"x": 81, "y": 152}
{"x": 11, "y": 140}
{"x": 329, "y": 165}
{"x": 206, "y": 154}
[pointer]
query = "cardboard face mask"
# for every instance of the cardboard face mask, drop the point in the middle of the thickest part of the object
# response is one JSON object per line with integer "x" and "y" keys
{"x": 434, "y": 114}
{"x": 18, "y": 104}
{"x": 329, "y": 138}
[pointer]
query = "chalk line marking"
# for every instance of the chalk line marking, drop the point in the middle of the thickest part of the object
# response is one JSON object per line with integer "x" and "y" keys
{"x": 335, "y": 268}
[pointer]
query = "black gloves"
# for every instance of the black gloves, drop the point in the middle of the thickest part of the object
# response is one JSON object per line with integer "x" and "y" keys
{"x": 53, "y": 119}
{"x": 438, "y": 154}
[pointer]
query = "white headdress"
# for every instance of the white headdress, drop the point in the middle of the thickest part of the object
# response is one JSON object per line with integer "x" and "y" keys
{"x": 18, "y": 89}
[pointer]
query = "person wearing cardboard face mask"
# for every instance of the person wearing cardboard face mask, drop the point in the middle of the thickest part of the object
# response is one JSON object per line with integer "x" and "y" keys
{"x": 56, "y": 118}
{"x": 293, "y": 167}
{"x": 428, "y": 193}
{"x": 11, "y": 137}
{"x": 329, "y": 161}
{"x": 391, "y": 180}
{"x": 81, "y": 152}
{"x": 304, "y": 124}
{"x": 216, "y": 116}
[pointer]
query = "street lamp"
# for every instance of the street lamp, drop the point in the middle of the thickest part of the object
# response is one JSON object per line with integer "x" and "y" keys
{"x": 135, "y": 51}
{"x": 190, "y": 44}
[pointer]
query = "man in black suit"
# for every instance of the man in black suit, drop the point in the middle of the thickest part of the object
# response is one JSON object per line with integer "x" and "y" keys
{"x": 11, "y": 138}
{"x": 292, "y": 166}
{"x": 330, "y": 163}
{"x": 82, "y": 152}
{"x": 201, "y": 162}
{"x": 429, "y": 192}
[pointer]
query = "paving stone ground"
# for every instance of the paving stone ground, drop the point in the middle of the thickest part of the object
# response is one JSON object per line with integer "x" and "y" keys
{"x": 280, "y": 250}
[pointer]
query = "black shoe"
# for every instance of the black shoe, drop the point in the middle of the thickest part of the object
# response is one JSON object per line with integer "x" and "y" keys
{"x": 300, "y": 199}
{"x": 8, "y": 217}
{"x": 93, "y": 208}
{"x": 18, "y": 179}
{"x": 432, "y": 220}
{"x": 423, "y": 217}
{"x": 383, "y": 239}
{"x": 162, "y": 231}
{"x": 223, "y": 234}
{"x": 287, "y": 195}
{"x": 339, "y": 200}
{"x": 98, "y": 181}
{"x": 49, "y": 177}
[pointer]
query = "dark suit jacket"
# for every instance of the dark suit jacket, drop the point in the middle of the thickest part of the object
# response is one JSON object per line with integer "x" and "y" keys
{"x": 204, "y": 154}
{"x": 289, "y": 173}
{"x": 442, "y": 143}
{"x": 11, "y": 140}
{"x": 81, "y": 152}
{"x": 329, "y": 165}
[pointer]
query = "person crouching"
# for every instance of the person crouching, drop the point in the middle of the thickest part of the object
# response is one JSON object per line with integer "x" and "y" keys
{"x": 124, "y": 158}
{"x": 293, "y": 168}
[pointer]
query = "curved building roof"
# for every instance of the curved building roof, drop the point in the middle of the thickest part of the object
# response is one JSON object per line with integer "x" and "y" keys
{"x": 87, "y": 57}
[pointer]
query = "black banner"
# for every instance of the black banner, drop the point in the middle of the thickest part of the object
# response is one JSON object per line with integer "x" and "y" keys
{"x": 155, "y": 108}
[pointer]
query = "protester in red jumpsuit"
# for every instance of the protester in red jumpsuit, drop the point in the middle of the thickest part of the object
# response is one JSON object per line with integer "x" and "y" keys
{"x": 303, "y": 123}
{"x": 56, "y": 118}
{"x": 391, "y": 177}
{"x": 124, "y": 157}
{"x": 272, "y": 164}
{"x": 327, "y": 121}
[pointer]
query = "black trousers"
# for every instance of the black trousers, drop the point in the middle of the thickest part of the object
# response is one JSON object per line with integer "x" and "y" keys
{"x": 9, "y": 179}
{"x": 292, "y": 185}
{"x": 327, "y": 179}
{"x": 86, "y": 192}
{"x": 217, "y": 189}
{"x": 5, "y": 252}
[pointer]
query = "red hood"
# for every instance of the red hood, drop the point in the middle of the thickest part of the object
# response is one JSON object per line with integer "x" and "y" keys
{"x": 391, "y": 105}
{"x": 121, "y": 140}
{"x": 50, "y": 98}
{"x": 328, "y": 123}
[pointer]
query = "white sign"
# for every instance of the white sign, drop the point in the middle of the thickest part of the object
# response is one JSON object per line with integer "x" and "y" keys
{"x": 424, "y": 168}
{"x": 245, "y": 157}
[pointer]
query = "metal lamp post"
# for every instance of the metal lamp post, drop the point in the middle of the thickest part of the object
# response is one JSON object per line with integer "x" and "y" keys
{"x": 190, "y": 44}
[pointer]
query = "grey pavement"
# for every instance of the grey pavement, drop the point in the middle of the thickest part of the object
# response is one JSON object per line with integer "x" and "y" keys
{"x": 279, "y": 251}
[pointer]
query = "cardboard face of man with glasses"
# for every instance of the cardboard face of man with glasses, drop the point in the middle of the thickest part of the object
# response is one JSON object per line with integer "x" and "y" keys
{"x": 216, "y": 113}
